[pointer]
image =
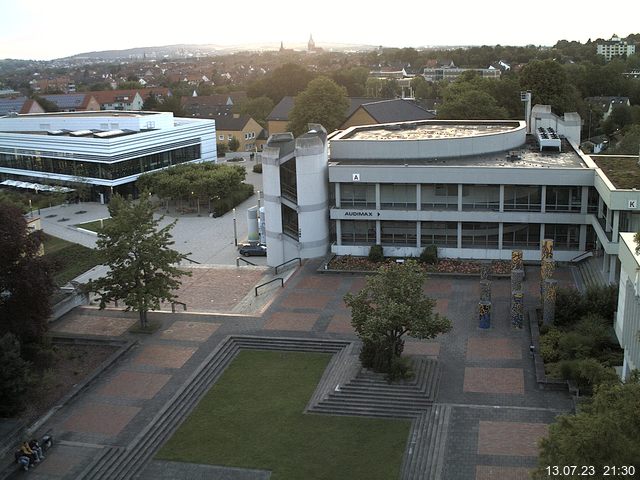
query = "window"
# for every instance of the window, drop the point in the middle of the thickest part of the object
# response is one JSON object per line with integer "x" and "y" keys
{"x": 442, "y": 234}
{"x": 398, "y": 233}
{"x": 357, "y": 195}
{"x": 479, "y": 235}
{"x": 398, "y": 196}
{"x": 521, "y": 235}
{"x": 481, "y": 197}
{"x": 563, "y": 199}
{"x": 358, "y": 232}
{"x": 290, "y": 222}
{"x": 229, "y": 137}
{"x": 221, "y": 137}
{"x": 522, "y": 198}
{"x": 565, "y": 237}
{"x": 288, "y": 180}
{"x": 439, "y": 196}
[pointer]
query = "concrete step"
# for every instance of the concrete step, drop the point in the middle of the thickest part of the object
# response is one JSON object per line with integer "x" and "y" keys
{"x": 365, "y": 412}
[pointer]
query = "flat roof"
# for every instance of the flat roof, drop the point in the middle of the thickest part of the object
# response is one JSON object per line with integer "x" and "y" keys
{"x": 527, "y": 155}
{"x": 433, "y": 129}
{"x": 92, "y": 113}
{"x": 622, "y": 171}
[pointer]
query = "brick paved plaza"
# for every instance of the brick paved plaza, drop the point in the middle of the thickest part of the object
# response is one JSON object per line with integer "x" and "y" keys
{"x": 487, "y": 377}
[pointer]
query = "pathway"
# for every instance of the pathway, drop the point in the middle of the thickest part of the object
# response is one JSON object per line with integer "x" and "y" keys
{"x": 492, "y": 410}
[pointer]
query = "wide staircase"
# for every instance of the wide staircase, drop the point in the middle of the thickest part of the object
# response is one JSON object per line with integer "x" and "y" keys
{"x": 591, "y": 272}
{"x": 370, "y": 394}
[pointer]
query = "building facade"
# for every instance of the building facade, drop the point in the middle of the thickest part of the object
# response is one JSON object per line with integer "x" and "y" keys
{"x": 106, "y": 150}
{"x": 614, "y": 47}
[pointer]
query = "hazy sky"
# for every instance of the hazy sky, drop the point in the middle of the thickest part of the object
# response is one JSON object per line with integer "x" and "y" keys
{"x": 35, "y": 29}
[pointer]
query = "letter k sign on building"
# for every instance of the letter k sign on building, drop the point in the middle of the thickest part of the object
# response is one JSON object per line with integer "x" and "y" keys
{"x": 356, "y": 177}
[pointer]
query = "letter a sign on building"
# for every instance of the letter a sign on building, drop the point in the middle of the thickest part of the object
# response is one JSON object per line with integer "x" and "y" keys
{"x": 356, "y": 177}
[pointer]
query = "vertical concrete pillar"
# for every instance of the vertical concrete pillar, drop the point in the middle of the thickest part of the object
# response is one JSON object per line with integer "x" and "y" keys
{"x": 501, "y": 207}
{"x": 543, "y": 199}
{"x": 583, "y": 238}
{"x": 584, "y": 201}
{"x": 615, "y": 226}
{"x": 500, "y": 234}
{"x": 338, "y": 198}
{"x": 459, "y": 234}
{"x": 608, "y": 221}
{"x": 378, "y": 233}
{"x": 613, "y": 268}
{"x": 418, "y": 232}
{"x": 418, "y": 197}
{"x": 378, "y": 197}
{"x": 338, "y": 232}
{"x": 459, "y": 197}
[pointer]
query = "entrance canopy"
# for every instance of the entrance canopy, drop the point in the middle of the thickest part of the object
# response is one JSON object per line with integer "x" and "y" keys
{"x": 36, "y": 186}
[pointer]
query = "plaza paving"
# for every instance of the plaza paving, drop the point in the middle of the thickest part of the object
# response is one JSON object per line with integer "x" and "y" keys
{"x": 498, "y": 413}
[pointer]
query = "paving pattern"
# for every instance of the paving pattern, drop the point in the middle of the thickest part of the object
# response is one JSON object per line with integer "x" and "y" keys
{"x": 490, "y": 411}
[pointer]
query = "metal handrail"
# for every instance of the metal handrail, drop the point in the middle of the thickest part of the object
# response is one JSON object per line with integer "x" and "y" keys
{"x": 173, "y": 306}
{"x": 192, "y": 261}
{"x": 270, "y": 281}
{"x": 582, "y": 256}
{"x": 245, "y": 261}
{"x": 289, "y": 261}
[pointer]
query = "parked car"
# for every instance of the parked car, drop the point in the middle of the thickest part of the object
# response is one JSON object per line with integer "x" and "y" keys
{"x": 254, "y": 250}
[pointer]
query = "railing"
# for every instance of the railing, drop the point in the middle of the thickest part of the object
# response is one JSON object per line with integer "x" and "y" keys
{"x": 192, "y": 261}
{"x": 289, "y": 261}
{"x": 270, "y": 281}
{"x": 173, "y": 306}
{"x": 582, "y": 256}
{"x": 238, "y": 259}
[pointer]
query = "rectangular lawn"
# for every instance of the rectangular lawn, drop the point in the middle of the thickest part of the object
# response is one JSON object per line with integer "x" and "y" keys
{"x": 253, "y": 418}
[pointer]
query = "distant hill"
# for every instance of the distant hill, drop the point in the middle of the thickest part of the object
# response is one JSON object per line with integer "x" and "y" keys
{"x": 190, "y": 50}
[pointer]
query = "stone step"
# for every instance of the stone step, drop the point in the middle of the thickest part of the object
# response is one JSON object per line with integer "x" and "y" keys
{"x": 377, "y": 399}
{"x": 424, "y": 459}
{"x": 101, "y": 463}
{"x": 130, "y": 462}
{"x": 346, "y": 410}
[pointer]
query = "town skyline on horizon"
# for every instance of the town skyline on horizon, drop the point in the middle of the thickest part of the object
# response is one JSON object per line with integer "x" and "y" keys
{"x": 493, "y": 22}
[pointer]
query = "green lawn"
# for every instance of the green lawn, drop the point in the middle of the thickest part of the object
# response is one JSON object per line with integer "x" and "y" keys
{"x": 70, "y": 258}
{"x": 252, "y": 418}
{"x": 93, "y": 226}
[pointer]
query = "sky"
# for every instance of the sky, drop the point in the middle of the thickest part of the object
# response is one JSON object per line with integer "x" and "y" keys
{"x": 39, "y": 30}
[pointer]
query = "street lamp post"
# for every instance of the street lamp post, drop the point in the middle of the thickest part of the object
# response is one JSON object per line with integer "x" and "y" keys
{"x": 235, "y": 228}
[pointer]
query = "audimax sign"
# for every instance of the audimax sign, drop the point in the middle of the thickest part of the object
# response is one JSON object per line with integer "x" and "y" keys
{"x": 361, "y": 213}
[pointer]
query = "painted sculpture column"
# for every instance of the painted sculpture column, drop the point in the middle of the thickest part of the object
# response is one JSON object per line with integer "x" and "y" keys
{"x": 484, "y": 306}
{"x": 517, "y": 295}
{"x": 484, "y": 313}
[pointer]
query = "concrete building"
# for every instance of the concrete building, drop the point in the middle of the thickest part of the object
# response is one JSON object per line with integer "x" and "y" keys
{"x": 627, "y": 322}
{"x": 614, "y": 47}
{"x": 296, "y": 196}
{"x": 106, "y": 150}
{"x": 451, "y": 74}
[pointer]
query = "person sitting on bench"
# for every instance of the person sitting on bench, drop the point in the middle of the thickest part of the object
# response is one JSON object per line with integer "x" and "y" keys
{"x": 23, "y": 460}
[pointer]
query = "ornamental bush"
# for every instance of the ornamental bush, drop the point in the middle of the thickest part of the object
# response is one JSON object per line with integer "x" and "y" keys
{"x": 429, "y": 255}
{"x": 376, "y": 253}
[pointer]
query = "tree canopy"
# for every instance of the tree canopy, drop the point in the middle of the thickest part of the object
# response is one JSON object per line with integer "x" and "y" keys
{"x": 143, "y": 268}
{"x": 286, "y": 80}
{"x": 26, "y": 278}
{"x": 603, "y": 433}
{"x": 323, "y": 102}
{"x": 391, "y": 305}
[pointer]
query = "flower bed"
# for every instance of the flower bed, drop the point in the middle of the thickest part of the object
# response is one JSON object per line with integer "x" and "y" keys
{"x": 445, "y": 265}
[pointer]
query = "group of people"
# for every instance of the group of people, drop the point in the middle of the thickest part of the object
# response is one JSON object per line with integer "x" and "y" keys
{"x": 30, "y": 454}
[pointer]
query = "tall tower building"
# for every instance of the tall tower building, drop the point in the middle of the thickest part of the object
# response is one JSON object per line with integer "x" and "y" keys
{"x": 311, "y": 46}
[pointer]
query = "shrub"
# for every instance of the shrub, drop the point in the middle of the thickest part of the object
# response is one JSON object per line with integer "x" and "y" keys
{"x": 569, "y": 306}
{"x": 376, "y": 253}
{"x": 14, "y": 376}
{"x": 549, "y": 345}
{"x": 223, "y": 205}
{"x": 400, "y": 369}
{"x": 587, "y": 373}
{"x": 429, "y": 254}
{"x": 602, "y": 300}
{"x": 257, "y": 168}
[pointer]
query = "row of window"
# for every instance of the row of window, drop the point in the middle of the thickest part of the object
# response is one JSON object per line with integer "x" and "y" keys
{"x": 247, "y": 136}
{"x": 107, "y": 171}
{"x": 474, "y": 197}
{"x": 474, "y": 234}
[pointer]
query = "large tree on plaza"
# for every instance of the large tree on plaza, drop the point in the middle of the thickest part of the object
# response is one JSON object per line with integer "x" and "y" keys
{"x": 391, "y": 305}
{"x": 323, "y": 101}
{"x": 143, "y": 268}
{"x": 26, "y": 278}
{"x": 603, "y": 434}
